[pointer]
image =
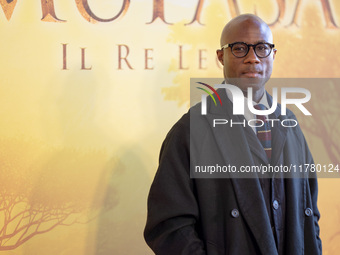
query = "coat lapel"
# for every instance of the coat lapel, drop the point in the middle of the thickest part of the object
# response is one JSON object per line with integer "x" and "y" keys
{"x": 236, "y": 145}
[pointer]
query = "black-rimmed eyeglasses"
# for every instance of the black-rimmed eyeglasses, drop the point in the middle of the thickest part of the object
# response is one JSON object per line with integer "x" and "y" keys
{"x": 241, "y": 49}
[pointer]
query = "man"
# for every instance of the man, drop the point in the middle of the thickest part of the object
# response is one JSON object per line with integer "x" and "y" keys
{"x": 229, "y": 215}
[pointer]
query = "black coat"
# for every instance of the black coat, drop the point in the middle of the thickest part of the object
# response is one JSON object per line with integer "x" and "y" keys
{"x": 218, "y": 216}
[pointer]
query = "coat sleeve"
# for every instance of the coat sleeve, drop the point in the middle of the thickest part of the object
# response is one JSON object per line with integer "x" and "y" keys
{"x": 313, "y": 191}
{"x": 312, "y": 241}
{"x": 173, "y": 213}
{"x": 313, "y": 186}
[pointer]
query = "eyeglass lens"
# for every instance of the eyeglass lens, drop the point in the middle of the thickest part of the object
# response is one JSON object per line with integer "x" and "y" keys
{"x": 240, "y": 50}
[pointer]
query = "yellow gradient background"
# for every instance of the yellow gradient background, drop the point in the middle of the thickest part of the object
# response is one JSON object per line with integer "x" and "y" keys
{"x": 79, "y": 148}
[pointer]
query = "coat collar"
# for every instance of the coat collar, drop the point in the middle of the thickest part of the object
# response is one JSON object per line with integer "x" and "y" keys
{"x": 226, "y": 112}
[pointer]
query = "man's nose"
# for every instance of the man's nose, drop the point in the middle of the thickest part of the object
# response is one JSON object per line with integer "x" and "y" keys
{"x": 251, "y": 57}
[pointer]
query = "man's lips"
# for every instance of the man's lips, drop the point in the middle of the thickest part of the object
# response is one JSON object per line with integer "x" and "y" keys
{"x": 252, "y": 74}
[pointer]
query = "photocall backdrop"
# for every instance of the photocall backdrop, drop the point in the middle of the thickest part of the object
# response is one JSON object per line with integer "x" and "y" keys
{"x": 89, "y": 89}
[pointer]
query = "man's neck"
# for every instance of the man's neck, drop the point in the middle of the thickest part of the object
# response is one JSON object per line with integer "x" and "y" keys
{"x": 257, "y": 95}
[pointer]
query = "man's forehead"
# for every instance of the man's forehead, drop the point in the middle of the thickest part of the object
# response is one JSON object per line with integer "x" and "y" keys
{"x": 249, "y": 35}
{"x": 246, "y": 29}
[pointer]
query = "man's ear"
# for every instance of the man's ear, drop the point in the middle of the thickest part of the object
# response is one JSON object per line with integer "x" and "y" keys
{"x": 274, "y": 53}
{"x": 220, "y": 56}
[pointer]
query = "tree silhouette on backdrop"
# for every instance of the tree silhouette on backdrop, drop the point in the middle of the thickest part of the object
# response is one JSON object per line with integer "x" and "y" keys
{"x": 41, "y": 189}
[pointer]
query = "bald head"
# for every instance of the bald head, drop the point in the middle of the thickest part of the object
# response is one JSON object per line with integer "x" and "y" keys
{"x": 242, "y": 23}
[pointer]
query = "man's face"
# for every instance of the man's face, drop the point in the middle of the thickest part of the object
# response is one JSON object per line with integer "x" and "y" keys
{"x": 248, "y": 71}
